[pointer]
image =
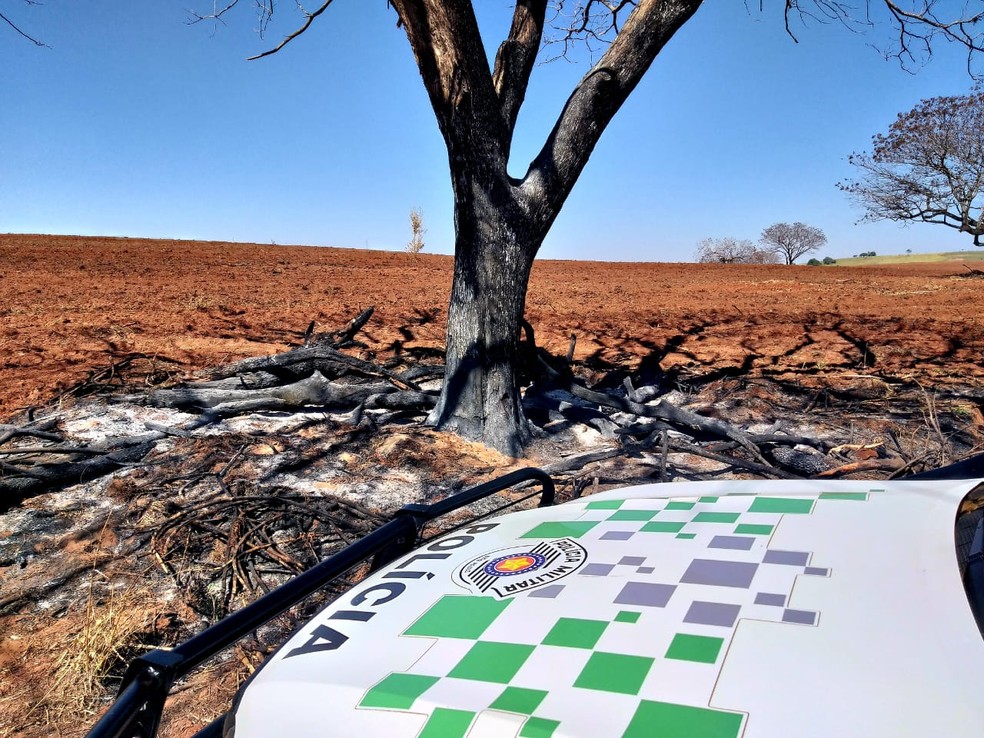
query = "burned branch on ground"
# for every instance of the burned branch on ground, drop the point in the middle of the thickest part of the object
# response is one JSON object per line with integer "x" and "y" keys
{"x": 646, "y": 423}
{"x": 230, "y": 549}
{"x": 768, "y": 454}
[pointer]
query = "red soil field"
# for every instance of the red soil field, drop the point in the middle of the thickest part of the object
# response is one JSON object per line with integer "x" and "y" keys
{"x": 70, "y": 306}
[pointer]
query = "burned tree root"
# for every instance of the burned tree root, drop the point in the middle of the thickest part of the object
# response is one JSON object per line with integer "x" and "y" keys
{"x": 649, "y": 405}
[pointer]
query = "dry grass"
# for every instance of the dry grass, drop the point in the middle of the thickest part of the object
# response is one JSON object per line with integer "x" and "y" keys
{"x": 417, "y": 230}
{"x": 109, "y": 633}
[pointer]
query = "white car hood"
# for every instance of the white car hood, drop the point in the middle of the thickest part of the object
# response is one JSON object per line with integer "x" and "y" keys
{"x": 724, "y": 609}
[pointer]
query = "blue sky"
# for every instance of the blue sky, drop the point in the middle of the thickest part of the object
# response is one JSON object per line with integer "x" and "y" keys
{"x": 135, "y": 123}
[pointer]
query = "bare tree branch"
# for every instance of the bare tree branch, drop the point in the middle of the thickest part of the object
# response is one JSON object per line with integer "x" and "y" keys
{"x": 918, "y": 24}
{"x": 20, "y": 31}
{"x": 447, "y": 45}
{"x": 308, "y": 20}
{"x": 516, "y": 57}
{"x": 264, "y": 13}
{"x": 600, "y": 94}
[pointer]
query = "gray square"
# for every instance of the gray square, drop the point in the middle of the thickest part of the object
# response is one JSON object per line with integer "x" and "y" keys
{"x": 646, "y": 569}
{"x": 597, "y": 570}
{"x": 767, "y": 598}
{"x": 816, "y": 571}
{"x": 645, "y": 594}
{"x": 712, "y": 613}
{"x": 548, "y": 592}
{"x": 737, "y": 543}
{"x": 720, "y": 573}
{"x": 803, "y": 617}
{"x": 617, "y": 535}
{"x": 632, "y": 560}
{"x": 789, "y": 558}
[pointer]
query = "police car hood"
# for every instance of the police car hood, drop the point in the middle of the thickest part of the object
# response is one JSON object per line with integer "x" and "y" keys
{"x": 725, "y": 609}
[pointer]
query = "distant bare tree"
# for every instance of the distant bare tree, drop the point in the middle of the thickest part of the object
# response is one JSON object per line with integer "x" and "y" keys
{"x": 732, "y": 251}
{"x": 929, "y": 167}
{"x": 790, "y": 241}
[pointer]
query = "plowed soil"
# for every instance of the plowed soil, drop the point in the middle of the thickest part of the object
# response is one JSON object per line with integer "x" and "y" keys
{"x": 78, "y": 312}
{"x": 71, "y": 307}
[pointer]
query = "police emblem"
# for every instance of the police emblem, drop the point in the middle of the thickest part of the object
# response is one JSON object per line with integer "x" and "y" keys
{"x": 511, "y": 571}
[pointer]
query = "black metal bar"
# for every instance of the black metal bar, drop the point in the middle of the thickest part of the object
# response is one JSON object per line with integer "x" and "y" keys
{"x": 425, "y": 513}
{"x": 212, "y": 730}
{"x": 230, "y": 629}
{"x": 468, "y": 496}
{"x": 970, "y": 468}
{"x": 123, "y": 713}
{"x": 138, "y": 707}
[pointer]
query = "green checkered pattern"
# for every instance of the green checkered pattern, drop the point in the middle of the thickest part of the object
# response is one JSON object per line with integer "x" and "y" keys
{"x": 499, "y": 664}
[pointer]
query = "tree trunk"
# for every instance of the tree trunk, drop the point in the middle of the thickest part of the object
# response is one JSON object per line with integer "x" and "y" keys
{"x": 494, "y": 250}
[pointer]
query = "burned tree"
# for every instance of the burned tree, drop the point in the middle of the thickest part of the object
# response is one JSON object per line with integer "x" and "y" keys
{"x": 500, "y": 220}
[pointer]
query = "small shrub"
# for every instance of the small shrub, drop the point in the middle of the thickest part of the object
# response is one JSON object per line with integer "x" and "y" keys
{"x": 416, "y": 243}
{"x": 828, "y": 261}
{"x": 814, "y": 262}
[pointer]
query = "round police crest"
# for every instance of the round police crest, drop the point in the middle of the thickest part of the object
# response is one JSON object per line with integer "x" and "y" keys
{"x": 517, "y": 569}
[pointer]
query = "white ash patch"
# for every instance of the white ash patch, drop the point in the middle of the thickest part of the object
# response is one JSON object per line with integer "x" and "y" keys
{"x": 267, "y": 423}
{"x": 97, "y": 420}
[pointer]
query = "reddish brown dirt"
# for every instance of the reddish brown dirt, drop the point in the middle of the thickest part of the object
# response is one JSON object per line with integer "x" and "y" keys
{"x": 72, "y": 305}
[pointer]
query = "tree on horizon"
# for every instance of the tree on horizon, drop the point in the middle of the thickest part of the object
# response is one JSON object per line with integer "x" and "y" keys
{"x": 928, "y": 168}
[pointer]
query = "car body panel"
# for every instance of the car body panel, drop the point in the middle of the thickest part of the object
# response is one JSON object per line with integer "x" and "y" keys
{"x": 725, "y": 609}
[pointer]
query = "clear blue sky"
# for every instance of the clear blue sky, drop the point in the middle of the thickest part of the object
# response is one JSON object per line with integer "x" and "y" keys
{"x": 135, "y": 123}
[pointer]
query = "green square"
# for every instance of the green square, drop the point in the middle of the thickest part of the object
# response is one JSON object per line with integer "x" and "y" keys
{"x": 575, "y": 633}
{"x": 489, "y": 661}
{"x": 571, "y": 529}
{"x": 855, "y": 496}
{"x": 398, "y": 691}
{"x": 755, "y": 530}
{"x": 457, "y": 616}
{"x": 707, "y": 499}
{"x": 678, "y": 505}
{"x": 633, "y": 515}
{"x": 445, "y": 723}
{"x": 658, "y": 526}
{"x": 614, "y": 672}
{"x": 604, "y": 505}
{"x": 792, "y": 505}
{"x": 627, "y": 616}
{"x": 716, "y": 517}
{"x": 686, "y": 536}
{"x": 681, "y": 721}
{"x": 539, "y": 728}
{"x": 702, "y": 649}
{"x": 515, "y": 699}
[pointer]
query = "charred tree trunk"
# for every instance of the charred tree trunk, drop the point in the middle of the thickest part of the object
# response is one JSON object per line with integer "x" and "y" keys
{"x": 500, "y": 221}
{"x": 494, "y": 252}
